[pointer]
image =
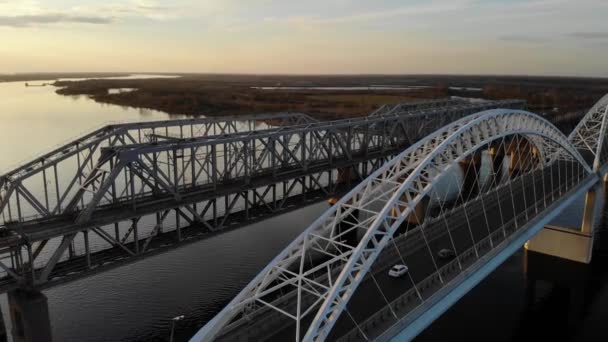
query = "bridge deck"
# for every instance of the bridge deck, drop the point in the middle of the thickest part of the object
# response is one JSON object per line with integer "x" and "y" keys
{"x": 420, "y": 260}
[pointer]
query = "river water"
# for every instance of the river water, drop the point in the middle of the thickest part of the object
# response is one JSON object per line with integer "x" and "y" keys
{"x": 135, "y": 302}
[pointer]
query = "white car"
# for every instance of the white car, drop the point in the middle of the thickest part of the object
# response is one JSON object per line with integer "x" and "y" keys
{"x": 397, "y": 271}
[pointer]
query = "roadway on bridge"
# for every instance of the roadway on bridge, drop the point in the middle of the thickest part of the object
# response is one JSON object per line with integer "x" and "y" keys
{"x": 500, "y": 207}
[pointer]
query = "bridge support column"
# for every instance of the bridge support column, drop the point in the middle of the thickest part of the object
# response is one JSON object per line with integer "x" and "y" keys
{"x": 344, "y": 177}
{"x": 415, "y": 218}
{"x": 470, "y": 167}
{"x": 521, "y": 155}
{"x": 571, "y": 244}
{"x": 567, "y": 243}
{"x": 497, "y": 157}
{"x": 418, "y": 215}
{"x": 30, "y": 316}
{"x": 562, "y": 243}
{"x": 587, "y": 224}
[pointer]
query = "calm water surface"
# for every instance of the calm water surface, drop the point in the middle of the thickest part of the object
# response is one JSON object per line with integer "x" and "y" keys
{"x": 555, "y": 299}
{"x": 134, "y": 302}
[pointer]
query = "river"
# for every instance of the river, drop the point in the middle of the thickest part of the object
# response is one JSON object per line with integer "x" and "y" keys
{"x": 135, "y": 302}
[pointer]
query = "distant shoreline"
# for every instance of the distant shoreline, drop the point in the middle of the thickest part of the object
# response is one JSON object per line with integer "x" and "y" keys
{"x": 236, "y": 95}
{"x": 29, "y": 77}
{"x": 325, "y": 97}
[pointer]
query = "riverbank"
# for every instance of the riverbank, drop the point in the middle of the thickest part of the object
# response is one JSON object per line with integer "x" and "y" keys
{"x": 210, "y": 96}
{"x": 330, "y": 97}
{"x": 28, "y": 77}
{"x": 179, "y": 97}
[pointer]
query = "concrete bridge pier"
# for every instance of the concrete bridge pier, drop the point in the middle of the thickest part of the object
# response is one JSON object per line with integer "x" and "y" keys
{"x": 29, "y": 313}
{"x": 497, "y": 156}
{"x": 522, "y": 156}
{"x": 570, "y": 244}
{"x": 470, "y": 168}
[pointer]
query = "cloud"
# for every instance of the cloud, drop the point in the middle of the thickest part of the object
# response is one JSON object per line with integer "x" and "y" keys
{"x": 51, "y": 18}
{"x": 32, "y": 13}
{"x": 139, "y": 8}
{"x": 149, "y": 6}
{"x": 590, "y": 35}
{"x": 523, "y": 39}
{"x": 429, "y": 8}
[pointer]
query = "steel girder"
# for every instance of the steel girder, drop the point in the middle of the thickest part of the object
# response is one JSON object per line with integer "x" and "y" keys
{"x": 590, "y": 133}
{"x": 388, "y": 196}
{"x": 139, "y": 232}
{"x": 46, "y": 182}
{"x": 140, "y": 131}
{"x": 120, "y": 166}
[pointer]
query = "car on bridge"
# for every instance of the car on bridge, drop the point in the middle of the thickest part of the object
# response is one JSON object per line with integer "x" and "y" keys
{"x": 446, "y": 253}
{"x": 397, "y": 271}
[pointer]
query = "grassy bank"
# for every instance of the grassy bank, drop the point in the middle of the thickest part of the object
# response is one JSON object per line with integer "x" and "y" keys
{"x": 236, "y": 94}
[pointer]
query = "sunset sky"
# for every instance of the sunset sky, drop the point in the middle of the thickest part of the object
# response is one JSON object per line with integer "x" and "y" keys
{"x": 545, "y": 37}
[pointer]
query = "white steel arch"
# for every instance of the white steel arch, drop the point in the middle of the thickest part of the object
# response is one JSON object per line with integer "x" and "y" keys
{"x": 589, "y": 134}
{"x": 398, "y": 186}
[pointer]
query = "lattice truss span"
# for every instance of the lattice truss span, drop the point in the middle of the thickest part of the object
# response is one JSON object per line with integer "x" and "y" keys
{"x": 509, "y": 162}
{"x": 40, "y": 199}
{"x": 169, "y": 156}
{"x": 129, "y": 190}
{"x": 52, "y": 183}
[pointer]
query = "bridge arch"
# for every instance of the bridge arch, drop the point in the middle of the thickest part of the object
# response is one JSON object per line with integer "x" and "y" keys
{"x": 398, "y": 187}
{"x": 589, "y": 135}
{"x": 444, "y": 155}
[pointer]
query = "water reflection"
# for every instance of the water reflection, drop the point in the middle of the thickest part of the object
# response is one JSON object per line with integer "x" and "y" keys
{"x": 135, "y": 302}
{"x": 34, "y": 119}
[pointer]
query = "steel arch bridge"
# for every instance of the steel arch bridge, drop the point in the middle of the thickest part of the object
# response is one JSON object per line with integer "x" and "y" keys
{"x": 310, "y": 284}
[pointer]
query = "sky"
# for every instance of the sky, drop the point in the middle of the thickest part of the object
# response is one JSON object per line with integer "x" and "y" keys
{"x": 537, "y": 37}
